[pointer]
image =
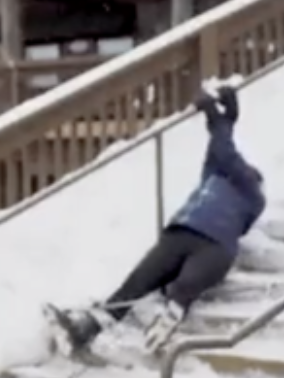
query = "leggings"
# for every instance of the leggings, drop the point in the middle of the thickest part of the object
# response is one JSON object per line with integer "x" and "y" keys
{"x": 183, "y": 263}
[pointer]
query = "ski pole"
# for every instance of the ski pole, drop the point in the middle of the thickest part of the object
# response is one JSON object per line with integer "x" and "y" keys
{"x": 115, "y": 305}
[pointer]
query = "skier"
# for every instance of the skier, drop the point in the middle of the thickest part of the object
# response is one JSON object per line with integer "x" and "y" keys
{"x": 198, "y": 247}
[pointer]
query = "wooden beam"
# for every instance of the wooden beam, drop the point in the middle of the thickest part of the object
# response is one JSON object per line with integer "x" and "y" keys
{"x": 11, "y": 31}
{"x": 182, "y": 10}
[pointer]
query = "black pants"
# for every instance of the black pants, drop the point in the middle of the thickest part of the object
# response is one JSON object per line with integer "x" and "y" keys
{"x": 183, "y": 262}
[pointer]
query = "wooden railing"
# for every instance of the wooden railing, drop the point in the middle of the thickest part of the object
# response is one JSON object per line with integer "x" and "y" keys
{"x": 155, "y": 135}
{"x": 25, "y": 79}
{"x": 65, "y": 128}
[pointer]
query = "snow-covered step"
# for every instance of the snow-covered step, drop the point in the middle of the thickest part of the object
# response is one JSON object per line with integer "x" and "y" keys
{"x": 220, "y": 326}
{"x": 239, "y": 311}
{"x": 255, "y": 277}
{"x": 210, "y": 364}
{"x": 201, "y": 371}
{"x": 242, "y": 293}
{"x": 243, "y": 296}
{"x": 241, "y": 284}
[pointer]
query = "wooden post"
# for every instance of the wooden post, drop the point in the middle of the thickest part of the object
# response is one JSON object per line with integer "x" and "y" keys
{"x": 153, "y": 18}
{"x": 11, "y": 31}
{"x": 181, "y": 11}
{"x": 209, "y": 53}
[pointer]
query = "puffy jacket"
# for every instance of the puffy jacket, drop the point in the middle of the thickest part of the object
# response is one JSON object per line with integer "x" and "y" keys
{"x": 229, "y": 198}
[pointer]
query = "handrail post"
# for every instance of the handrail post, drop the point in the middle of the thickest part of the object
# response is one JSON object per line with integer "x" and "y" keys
{"x": 15, "y": 84}
{"x": 159, "y": 152}
{"x": 11, "y": 28}
{"x": 209, "y": 52}
{"x": 169, "y": 360}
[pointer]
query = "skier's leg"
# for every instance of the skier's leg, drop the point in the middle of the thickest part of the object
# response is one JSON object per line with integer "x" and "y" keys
{"x": 160, "y": 267}
{"x": 203, "y": 269}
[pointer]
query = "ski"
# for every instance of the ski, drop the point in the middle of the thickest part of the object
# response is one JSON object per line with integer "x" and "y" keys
{"x": 86, "y": 355}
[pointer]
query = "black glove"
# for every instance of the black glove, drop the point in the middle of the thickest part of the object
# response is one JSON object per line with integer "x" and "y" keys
{"x": 228, "y": 98}
{"x": 208, "y": 105}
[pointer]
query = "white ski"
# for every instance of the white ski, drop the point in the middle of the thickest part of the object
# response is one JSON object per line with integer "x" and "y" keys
{"x": 95, "y": 356}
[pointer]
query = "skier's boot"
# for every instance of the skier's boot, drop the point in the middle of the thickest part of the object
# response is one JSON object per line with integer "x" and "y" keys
{"x": 163, "y": 326}
{"x": 78, "y": 328}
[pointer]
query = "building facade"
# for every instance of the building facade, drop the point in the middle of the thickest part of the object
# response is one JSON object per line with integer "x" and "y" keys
{"x": 77, "y": 27}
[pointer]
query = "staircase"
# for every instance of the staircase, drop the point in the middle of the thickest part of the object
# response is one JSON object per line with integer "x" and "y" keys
{"x": 244, "y": 296}
{"x": 80, "y": 226}
{"x": 122, "y": 100}
{"x": 224, "y": 310}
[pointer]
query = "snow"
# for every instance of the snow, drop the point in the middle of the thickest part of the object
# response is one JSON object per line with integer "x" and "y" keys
{"x": 79, "y": 244}
{"x": 204, "y": 371}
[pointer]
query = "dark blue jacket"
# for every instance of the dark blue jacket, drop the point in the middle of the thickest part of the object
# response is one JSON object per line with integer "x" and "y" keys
{"x": 229, "y": 199}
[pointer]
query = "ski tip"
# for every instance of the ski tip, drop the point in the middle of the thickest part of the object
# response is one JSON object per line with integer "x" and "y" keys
{"x": 54, "y": 315}
{"x": 49, "y": 310}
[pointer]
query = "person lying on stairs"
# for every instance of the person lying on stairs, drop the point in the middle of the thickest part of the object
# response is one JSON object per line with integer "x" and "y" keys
{"x": 197, "y": 248}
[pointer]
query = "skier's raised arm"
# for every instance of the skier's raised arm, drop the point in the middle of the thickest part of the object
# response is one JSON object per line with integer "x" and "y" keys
{"x": 214, "y": 120}
{"x": 222, "y": 156}
{"x": 230, "y": 163}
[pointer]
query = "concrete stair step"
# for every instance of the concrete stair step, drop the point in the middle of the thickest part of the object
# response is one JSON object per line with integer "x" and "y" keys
{"x": 225, "y": 318}
{"x": 241, "y": 297}
{"x": 239, "y": 364}
{"x": 243, "y": 285}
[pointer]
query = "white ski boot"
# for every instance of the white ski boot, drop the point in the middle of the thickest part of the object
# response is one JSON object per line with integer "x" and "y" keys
{"x": 93, "y": 337}
{"x": 164, "y": 324}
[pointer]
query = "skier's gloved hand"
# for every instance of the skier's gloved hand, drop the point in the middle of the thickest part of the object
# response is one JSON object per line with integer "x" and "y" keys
{"x": 228, "y": 98}
{"x": 208, "y": 104}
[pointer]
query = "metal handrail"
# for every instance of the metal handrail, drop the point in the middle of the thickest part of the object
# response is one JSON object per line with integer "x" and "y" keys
{"x": 215, "y": 341}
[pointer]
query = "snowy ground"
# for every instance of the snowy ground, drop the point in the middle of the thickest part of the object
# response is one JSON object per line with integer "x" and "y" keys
{"x": 202, "y": 370}
{"x": 80, "y": 243}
